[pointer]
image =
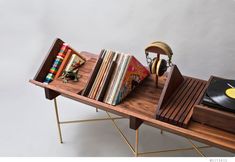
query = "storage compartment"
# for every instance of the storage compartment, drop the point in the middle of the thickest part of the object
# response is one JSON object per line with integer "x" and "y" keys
{"x": 71, "y": 86}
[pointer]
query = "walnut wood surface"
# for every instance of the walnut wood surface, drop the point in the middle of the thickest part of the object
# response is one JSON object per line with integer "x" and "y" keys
{"x": 48, "y": 61}
{"x": 135, "y": 123}
{"x": 174, "y": 80}
{"x": 141, "y": 104}
{"x": 178, "y": 107}
{"x": 77, "y": 87}
{"x": 217, "y": 118}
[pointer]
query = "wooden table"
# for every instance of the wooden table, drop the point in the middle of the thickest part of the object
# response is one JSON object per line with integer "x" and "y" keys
{"x": 139, "y": 106}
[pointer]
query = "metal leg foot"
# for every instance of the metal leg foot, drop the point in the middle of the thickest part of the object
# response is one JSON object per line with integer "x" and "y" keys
{"x": 58, "y": 121}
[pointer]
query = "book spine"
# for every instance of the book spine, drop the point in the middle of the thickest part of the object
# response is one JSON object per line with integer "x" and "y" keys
{"x": 91, "y": 94}
{"x": 118, "y": 79}
{"x": 107, "y": 78}
{"x": 57, "y": 62}
{"x": 114, "y": 102}
{"x": 93, "y": 74}
{"x": 102, "y": 74}
{"x": 65, "y": 61}
{"x": 112, "y": 78}
{"x": 108, "y": 100}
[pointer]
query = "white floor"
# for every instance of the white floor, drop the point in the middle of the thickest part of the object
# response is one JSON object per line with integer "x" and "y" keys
{"x": 27, "y": 29}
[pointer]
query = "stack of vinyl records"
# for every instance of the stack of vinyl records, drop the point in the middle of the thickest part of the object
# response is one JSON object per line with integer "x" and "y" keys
{"x": 114, "y": 76}
{"x": 220, "y": 94}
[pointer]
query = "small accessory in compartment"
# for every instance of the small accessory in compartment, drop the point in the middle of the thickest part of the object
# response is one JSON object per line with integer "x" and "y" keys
{"x": 71, "y": 71}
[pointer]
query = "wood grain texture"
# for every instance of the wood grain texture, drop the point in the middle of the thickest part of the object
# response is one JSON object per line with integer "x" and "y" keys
{"x": 213, "y": 116}
{"x": 48, "y": 61}
{"x": 77, "y": 87}
{"x": 177, "y": 108}
{"x": 217, "y": 118}
{"x": 51, "y": 94}
{"x": 215, "y": 137}
{"x": 141, "y": 104}
{"x": 135, "y": 123}
{"x": 174, "y": 80}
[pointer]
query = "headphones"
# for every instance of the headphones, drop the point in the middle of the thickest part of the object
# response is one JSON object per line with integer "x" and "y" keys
{"x": 156, "y": 65}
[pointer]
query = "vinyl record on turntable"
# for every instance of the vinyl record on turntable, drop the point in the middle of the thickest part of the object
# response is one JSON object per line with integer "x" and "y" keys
{"x": 222, "y": 92}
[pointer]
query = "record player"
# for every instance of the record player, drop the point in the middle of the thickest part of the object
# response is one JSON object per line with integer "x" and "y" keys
{"x": 217, "y": 106}
{"x": 220, "y": 94}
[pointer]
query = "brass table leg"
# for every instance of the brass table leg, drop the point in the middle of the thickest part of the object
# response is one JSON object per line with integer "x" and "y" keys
{"x": 58, "y": 120}
{"x": 135, "y": 149}
{"x": 136, "y": 141}
{"x": 122, "y": 135}
{"x": 195, "y": 147}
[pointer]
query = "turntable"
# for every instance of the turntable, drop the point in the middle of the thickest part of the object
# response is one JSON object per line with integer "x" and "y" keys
{"x": 220, "y": 94}
{"x": 217, "y": 106}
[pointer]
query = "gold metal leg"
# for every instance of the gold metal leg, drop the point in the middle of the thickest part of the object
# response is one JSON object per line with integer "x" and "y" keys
{"x": 58, "y": 121}
{"x": 122, "y": 135}
{"x": 135, "y": 149}
{"x": 171, "y": 150}
{"x": 195, "y": 147}
{"x": 136, "y": 142}
{"x": 88, "y": 120}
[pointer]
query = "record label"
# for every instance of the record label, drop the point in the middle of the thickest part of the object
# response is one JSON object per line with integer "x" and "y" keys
{"x": 230, "y": 92}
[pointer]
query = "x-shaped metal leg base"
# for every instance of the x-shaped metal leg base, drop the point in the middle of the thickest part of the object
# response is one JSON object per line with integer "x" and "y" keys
{"x": 134, "y": 150}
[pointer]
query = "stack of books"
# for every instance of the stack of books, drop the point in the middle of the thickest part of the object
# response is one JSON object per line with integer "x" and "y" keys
{"x": 114, "y": 76}
{"x": 65, "y": 61}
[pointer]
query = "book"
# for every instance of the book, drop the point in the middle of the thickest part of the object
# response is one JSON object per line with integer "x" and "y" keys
{"x": 56, "y": 64}
{"x": 114, "y": 80}
{"x": 92, "y": 77}
{"x": 74, "y": 61}
{"x": 119, "y": 75}
{"x": 63, "y": 64}
{"x": 120, "y": 80}
{"x": 113, "y": 77}
{"x": 107, "y": 77}
{"x": 93, "y": 88}
{"x": 102, "y": 73}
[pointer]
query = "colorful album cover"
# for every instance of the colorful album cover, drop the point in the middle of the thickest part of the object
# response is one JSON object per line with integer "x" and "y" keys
{"x": 135, "y": 73}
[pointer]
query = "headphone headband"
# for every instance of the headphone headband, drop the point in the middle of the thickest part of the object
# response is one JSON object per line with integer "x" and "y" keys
{"x": 160, "y": 48}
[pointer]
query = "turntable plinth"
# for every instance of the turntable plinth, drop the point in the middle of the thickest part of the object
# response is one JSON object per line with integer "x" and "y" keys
{"x": 213, "y": 117}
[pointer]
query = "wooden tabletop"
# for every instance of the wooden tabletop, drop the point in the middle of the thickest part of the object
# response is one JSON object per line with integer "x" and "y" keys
{"x": 142, "y": 104}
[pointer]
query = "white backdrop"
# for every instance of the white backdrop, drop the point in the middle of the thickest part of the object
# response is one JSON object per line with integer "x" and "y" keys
{"x": 201, "y": 34}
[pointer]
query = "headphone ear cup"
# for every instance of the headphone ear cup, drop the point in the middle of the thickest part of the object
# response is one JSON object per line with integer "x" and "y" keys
{"x": 161, "y": 67}
{"x": 153, "y": 66}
